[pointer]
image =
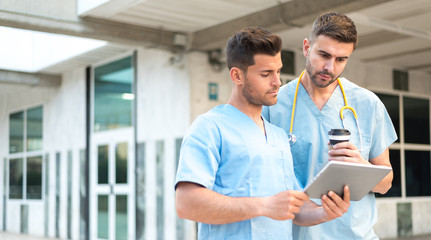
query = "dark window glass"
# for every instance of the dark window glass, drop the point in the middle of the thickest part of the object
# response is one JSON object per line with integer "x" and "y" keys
{"x": 395, "y": 190}
{"x": 288, "y": 59}
{"x": 418, "y": 178}
{"x": 34, "y": 177}
{"x": 16, "y": 132}
{"x": 34, "y": 129}
{"x": 400, "y": 80}
{"x": 102, "y": 156}
{"x": 121, "y": 163}
{"x": 15, "y": 178}
{"x": 121, "y": 217}
{"x": 102, "y": 217}
{"x": 416, "y": 120}
{"x": 113, "y": 95}
{"x": 392, "y": 105}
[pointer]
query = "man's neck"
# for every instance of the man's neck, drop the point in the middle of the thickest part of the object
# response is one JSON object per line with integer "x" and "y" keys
{"x": 319, "y": 95}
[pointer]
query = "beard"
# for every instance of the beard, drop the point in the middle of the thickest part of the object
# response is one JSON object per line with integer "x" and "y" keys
{"x": 252, "y": 99}
{"x": 322, "y": 84}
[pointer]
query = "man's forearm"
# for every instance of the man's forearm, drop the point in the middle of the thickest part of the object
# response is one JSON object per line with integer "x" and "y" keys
{"x": 386, "y": 183}
{"x": 200, "y": 204}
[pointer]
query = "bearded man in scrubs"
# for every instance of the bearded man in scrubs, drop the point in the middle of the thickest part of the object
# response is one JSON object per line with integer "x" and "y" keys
{"x": 235, "y": 175}
{"x": 319, "y": 101}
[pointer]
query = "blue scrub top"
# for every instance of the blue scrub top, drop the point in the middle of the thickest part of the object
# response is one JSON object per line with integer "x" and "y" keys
{"x": 310, "y": 152}
{"x": 225, "y": 151}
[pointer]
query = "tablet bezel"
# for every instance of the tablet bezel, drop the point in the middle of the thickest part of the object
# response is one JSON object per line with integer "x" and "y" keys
{"x": 361, "y": 179}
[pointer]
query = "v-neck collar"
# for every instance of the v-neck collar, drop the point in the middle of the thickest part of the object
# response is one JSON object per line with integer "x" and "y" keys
{"x": 333, "y": 100}
{"x": 251, "y": 122}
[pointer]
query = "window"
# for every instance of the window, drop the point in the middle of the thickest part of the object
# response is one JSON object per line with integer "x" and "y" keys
{"x": 400, "y": 80}
{"x": 121, "y": 160}
{"x": 15, "y": 178}
{"x": 34, "y": 178}
{"x": 413, "y": 147}
{"x": 16, "y": 132}
{"x": 25, "y": 154}
{"x": 113, "y": 95}
{"x": 34, "y": 129}
{"x": 416, "y": 120}
{"x": 418, "y": 180}
{"x": 288, "y": 59}
{"x": 395, "y": 190}
{"x": 392, "y": 105}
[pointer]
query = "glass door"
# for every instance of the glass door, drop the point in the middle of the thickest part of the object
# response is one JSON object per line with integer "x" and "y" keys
{"x": 112, "y": 179}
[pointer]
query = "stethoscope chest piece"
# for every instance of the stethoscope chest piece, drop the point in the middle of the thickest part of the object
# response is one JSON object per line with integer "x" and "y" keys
{"x": 292, "y": 139}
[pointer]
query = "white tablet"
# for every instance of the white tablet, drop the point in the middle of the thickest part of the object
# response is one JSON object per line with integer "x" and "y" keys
{"x": 360, "y": 178}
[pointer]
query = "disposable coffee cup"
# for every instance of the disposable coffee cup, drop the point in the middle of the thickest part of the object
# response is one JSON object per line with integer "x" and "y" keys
{"x": 337, "y": 136}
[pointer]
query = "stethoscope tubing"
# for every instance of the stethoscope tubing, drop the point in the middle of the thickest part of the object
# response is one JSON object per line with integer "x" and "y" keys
{"x": 292, "y": 138}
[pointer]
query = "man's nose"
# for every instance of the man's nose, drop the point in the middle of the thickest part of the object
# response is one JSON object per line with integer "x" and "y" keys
{"x": 276, "y": 81}
{"x": 329, "y": 65}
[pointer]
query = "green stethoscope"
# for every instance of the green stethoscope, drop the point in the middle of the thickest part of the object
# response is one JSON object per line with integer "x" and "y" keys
{"x": 292, "y": 137}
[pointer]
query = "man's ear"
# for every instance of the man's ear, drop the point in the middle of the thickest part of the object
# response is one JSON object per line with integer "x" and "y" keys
{"x": 237, "y": 76}
{"x": 306, "y": 46}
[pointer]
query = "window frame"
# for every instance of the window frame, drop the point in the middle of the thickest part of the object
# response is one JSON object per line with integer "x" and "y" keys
{"x": 93, "y": 87}
{"x": 402, "y": 146}
{"x": 24, "y": 155}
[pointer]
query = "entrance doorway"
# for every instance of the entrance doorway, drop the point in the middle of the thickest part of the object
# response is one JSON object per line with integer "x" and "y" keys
{"x": 112, "y": 192}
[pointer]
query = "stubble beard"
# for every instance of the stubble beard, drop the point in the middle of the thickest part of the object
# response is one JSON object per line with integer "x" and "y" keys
{"x": 309, "y": 68}
{"x": 247, "y": 92}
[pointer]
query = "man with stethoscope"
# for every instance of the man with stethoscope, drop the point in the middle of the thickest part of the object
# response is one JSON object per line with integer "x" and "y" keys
{"x": 318, "y": 101}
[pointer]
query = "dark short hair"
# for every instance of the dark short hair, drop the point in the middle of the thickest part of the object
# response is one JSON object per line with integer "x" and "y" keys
{"x": 245, "y": 44}
{"x": 336, "y": 26}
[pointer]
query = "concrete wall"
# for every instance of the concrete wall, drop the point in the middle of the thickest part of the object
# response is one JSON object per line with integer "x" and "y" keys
{"x": 163, "y": 95}
{"x": 201, "y": 74}
{"x": 65, "y": 132}
{"x": 421, "y": 217}
{"x": 163, "y": 108}
{"x": 56, "y": 9}
{"x": 418, "y": 216}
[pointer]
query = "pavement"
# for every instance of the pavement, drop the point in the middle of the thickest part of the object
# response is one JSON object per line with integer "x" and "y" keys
{"x": 423, "y": 237}
{"x": 16, "y": 236}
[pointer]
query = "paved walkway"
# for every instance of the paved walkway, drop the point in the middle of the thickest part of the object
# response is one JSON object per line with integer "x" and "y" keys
{"x": 15, "y": 236}
{"x": 424, "y": 237}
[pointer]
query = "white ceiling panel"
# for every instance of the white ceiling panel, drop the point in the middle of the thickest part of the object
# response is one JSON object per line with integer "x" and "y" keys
{"x": 392, "y": 48}
{"x": 396, "y": 32}
{"x": 190, "y": 15}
